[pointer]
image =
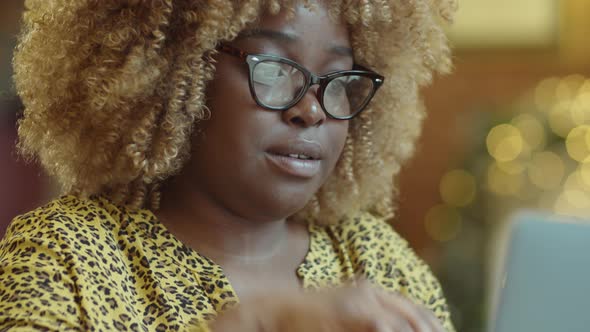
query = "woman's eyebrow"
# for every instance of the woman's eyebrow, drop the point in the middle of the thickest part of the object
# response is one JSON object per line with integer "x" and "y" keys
{"x": 342, "y": 50}
{"x": 288, "y": 37}
{"x": 281, "y": 36}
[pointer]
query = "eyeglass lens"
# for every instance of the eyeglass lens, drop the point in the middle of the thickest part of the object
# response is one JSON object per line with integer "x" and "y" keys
{"x": 277, "y": 84}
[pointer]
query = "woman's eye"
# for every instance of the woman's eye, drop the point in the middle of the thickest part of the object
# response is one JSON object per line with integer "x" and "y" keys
{"x": 336, "y": 87}
{"x": 339, "y": 84}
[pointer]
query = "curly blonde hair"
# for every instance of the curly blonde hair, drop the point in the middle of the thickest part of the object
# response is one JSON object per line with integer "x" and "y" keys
{"x": 113, "y": 89}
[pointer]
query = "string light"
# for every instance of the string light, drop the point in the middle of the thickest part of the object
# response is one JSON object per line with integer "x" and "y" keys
{"x": 458, "y": 188}
{"x": 574, "y": 203}
{"x": 584, "y": 173}
{"x": 513, "y": 167}
{"x": 561, "y": 119}
{"x": 546, "y": 170}
{"x": 545, "y": 93}
{"x": 578, "y": 143}
{"x": 521, "y": 165}
{"x": 563, "y": 123}
{"x": 503, "y": 183}
{"x": 569, "y": 86}
{"x": 504, "y": 142}
{"x": 532, "y": 131}
{"x": 575, "y": 182}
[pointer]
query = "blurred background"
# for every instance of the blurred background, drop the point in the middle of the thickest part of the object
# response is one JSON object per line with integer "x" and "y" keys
{"x": 508, "y": 129}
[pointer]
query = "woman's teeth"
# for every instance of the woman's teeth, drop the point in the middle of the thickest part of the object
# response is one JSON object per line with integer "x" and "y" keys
{"x": 299, "y": 156}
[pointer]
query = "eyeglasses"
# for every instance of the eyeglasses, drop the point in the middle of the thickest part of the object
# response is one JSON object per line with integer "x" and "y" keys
{"x": 277, "y": 83}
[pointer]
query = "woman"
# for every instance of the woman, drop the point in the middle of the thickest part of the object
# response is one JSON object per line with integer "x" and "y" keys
{"x": 216, "y": 150}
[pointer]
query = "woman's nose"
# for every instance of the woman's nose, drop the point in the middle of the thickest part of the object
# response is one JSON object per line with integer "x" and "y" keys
{"x": 307, "y": 112}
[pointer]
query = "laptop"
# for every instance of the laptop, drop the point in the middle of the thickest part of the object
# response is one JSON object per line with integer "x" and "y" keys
{"x": 546, "y": 284}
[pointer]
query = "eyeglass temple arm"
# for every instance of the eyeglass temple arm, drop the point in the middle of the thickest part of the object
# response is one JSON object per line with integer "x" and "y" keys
{"x": 356, "y": 66}
{"x": 232, "y": 51}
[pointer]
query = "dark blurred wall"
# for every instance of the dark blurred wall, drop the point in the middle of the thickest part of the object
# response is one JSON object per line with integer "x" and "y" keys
{"x": 22, "y": 185}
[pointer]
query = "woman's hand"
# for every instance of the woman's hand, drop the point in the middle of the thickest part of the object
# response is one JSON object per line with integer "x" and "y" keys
{"x": 359, "y": 309}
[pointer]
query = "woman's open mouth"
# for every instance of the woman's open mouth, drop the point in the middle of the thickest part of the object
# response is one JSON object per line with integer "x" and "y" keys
{"x": 296, "y": 157}
{"x": 299, "y": 165}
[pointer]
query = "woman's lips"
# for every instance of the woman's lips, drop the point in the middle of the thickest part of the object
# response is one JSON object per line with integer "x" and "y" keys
{"x": 302, "y": 168}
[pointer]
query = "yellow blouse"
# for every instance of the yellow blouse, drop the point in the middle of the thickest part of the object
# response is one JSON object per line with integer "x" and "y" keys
{"x": 78, "y": 265}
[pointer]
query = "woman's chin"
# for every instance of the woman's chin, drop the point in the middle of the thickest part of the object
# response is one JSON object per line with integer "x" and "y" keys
{"x": 282, "y": 209}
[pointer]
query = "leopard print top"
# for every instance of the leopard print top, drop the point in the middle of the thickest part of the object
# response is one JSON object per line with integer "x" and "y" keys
{"x": 88, "y": 265}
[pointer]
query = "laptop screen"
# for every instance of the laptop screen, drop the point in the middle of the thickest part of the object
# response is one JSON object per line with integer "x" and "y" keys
{"x": 546, "y": 284}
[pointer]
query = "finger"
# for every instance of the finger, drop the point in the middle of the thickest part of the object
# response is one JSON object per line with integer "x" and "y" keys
{"x": 435, "y": 323}
{"x": 378, "y": 322}
{"x": 362, "y": 311}
{"x": 396, "y": 323}
{"x": 415, "y": 315}
{"x": 386, "y": 319}
{"x": 428, "y": 317}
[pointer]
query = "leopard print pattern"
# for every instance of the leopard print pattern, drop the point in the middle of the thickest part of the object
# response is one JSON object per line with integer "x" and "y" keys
{"x": 88, "y": 265}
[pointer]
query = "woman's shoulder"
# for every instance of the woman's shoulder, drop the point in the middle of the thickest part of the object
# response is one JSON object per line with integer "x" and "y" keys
{"x": 367, "y": 233}
{"x": 373, "y": 243}
{"x": 378, "y": 253}
{"x": 65, "y": 216}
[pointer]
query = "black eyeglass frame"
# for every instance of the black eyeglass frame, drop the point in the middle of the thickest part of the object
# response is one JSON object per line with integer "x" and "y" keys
{"x": 310, "y": 79}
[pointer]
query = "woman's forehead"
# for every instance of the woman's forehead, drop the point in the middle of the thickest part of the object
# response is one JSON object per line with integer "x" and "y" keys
{"x": 336, "y": 47}
{"x": 307, "y": 27}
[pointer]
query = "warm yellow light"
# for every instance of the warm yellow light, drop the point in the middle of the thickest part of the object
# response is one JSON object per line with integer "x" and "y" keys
{"x": 443, "y": 222}
{"x": 574, "y": 203}
{"x": 575, "y": 182}
{"x": 532, "y": 131}
{"x": 586, "y": 87}
{"x": 512, "y": 167}
{"x": 502, "y": 183}
{"x": 546, "y": 200}
{"x": 560, "y": 118}
{"x": 457, "y": 188}
{"x": 578, "y": 143}
{"x": 584, "y": 172}
{"x": 569, "y": 86}
{"x": 504, "y": 142}
{"x": 545, "y": 92}
{"x": 546, "y": 170}
{"x": 584, "y": 95}
{"x": 580, "y": 110}
{"x": 577, "y": 198}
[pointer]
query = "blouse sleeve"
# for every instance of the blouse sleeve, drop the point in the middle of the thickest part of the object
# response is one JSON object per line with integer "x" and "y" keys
{"x": 383, "y": 257}
{"x": 58, "y": 272}
{"x": 37, "y": 292}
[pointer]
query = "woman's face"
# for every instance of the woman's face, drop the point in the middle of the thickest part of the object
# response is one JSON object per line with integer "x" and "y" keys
{"x": 240, "y": 158}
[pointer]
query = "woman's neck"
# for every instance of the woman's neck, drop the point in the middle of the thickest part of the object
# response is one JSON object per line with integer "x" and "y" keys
{"x": 215, "y": 231}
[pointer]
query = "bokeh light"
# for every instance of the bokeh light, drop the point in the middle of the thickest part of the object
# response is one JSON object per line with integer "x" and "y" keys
{"x": 584, "y": 173}
{"x": 443, "y": 222}
{"x": 532, "y": 131}
{"x": 546, "y": 200}
{"x": 457, "y": 188}
{"x": 512, "y": 167}
{"x": 504, "y": 142}
{"x": 578, "y": 143}
{"x": 581, "y": 108}
{"x": 545, "y": 93}
{"x": 576, "y": 182}
{"x": 574, "y": 203}
{"x": 503, "y": 183}
{"x": 561, "y": 119}
{"x": 569, "y": 86}
{"x": 546, "y": 170}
